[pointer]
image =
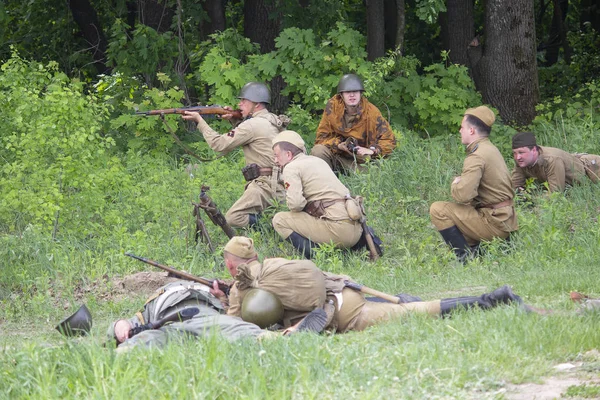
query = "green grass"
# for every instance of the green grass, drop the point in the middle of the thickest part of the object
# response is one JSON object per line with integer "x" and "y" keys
{"x": 472, "y": 355}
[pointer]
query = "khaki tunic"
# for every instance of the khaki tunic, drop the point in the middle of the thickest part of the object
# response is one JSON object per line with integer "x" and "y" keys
{"x": 255, "y": 136}
{"x": 485, "y": 181}
{"x": 308, "y": 178}
{"x": 184, "y": 294}
{"x": 558, "y": 168}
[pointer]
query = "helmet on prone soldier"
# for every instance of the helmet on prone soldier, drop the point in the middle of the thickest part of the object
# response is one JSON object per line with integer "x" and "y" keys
{"x": 262, "y": 308}
{"x": 256, "y": 92}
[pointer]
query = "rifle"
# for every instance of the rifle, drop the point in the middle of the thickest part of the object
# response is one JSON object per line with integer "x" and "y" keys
{"x": 217, "y": 218}
{"x": 363, "y": 289}
{"x": 202, "y": 110}
{"x": 208, "y": 282}
{"x": 178, "y": 316}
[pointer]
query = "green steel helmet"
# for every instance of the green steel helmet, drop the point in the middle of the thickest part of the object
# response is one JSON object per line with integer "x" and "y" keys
{"x": 256, "y": 92}
{"x": 77, "y": 324}
{"x": 350, "y": 83}
{"x": 262, "y": 308}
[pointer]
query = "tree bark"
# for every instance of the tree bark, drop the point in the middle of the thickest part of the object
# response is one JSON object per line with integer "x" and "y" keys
{"x": 215, "y": 9}
{"x": 458, "y": 30}
{"x": 156, "y": 14}
{"x": 506, "y": 65}
{"x": 87, "y": 20}
{"x": 375, "y": 29}
{"x": 262, "y": 25}
{"x": 400, "y": 23}
{"x": 558, "y": 33}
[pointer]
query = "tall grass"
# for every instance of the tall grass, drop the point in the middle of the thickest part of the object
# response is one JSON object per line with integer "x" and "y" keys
{"x": 472, "y": 355}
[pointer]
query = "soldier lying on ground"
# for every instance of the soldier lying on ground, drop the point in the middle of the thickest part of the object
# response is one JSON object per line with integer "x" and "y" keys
{"x": 549, "y": 164}
{"x": 346, "y": 308}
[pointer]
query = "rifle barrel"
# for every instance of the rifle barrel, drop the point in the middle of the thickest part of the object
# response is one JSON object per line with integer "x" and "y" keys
{"x": 202, "y": 110}
{"x": 208, "y": 282}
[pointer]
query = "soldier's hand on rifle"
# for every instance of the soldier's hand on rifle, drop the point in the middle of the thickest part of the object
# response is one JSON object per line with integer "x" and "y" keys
{"x": 228, "y": 117}
{"x": 363, "y": 151}
{"x": 215, "y": 291}
{"x": 343, "y": 147}
{"x": 192, "y": 116}
{"x": 122, "y": 328}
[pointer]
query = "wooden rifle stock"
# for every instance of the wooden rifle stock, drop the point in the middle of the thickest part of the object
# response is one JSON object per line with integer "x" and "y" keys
{"x": 202, "y": 110}
{"x": 363, "y": 289}
{"x": 208, "y": 282}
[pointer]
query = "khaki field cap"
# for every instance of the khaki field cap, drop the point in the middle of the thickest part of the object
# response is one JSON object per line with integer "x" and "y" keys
{"x": 483, "y": 113}
{"x": 290, "y": 137}
{"x": 523, "y": 139}
{"x": 241, "y": 247}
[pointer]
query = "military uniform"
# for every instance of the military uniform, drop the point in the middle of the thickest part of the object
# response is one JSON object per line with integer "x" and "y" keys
{"x": 365, "y": 125}
{"x": 558, "y": 168}
{"x": 175, "y": 297}
{"x": 308, "y": 179}
{"x": 484, "y": 195}
{"x": 255, "y": 136}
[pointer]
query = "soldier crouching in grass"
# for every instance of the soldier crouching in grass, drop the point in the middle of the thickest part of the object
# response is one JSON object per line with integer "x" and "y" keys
{"x": 254, "y": 135}
{"x": 484, "y": 194}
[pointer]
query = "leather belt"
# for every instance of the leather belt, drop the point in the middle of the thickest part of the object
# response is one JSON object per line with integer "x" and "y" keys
{"x": 504, "y": 203}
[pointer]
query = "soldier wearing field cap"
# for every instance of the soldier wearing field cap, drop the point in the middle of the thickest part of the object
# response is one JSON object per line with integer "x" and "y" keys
{"x": 254, "y": 135}
{"x": 483, "y": 192}
{"x": 549, "y": 164}
{"x": 352, "y": 129}
{"x": 321, "y": 208}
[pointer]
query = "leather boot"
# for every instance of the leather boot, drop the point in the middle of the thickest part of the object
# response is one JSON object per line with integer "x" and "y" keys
{"x": 302, "y": 244}
{"x": 503, "y": 295}
{"x": 253, "y": 220}
{"x": 454, "y": 237}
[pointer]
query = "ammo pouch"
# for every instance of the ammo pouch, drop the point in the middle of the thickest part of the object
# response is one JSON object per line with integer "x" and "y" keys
{"x": 317, "y": 208}
{"x": 251, "y": 172}
{"x": 354, "y": 208}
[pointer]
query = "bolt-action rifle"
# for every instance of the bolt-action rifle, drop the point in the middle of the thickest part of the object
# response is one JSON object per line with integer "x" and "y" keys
{"x": 202, "y": 110}
{"x": 211, "y": 209}
{"x": 208, "y": 282}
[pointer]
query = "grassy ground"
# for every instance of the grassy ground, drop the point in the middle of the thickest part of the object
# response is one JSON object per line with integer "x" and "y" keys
{"x": 472, "y": 355}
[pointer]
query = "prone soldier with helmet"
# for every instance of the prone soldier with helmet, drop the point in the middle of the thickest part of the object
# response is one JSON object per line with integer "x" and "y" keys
{"x": 352, "y": 129}
{"x": 254, "y": 134}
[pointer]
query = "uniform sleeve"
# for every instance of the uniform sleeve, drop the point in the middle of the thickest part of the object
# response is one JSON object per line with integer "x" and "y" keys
{"x": 326, "y": 134}
{"x": 294, "y": 193}
{"x": 518, "y": 178}
{"x": 238, "y": 136}
{"x": 555, "y": 172}
{"x": 235, "y": 302}
{"x": 386, "y": 141}
{"x": 468, "y": 187}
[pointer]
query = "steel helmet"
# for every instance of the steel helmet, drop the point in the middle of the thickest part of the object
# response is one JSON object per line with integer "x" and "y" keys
{"x": 350, "y": 83}
{"x": 256, "y": 92}
{"x": 262, "y": 308}
{"x": 77, "y": 324}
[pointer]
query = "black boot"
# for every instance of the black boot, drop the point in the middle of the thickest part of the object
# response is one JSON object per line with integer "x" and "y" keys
{"x": 362, "y": 242}
{"x": 302, "y": 244}
{"x": 253, "y": 220}
{"x": 454, "y": 237}
{"x": 503, "y": 295}
{"x": 404, "y": 298}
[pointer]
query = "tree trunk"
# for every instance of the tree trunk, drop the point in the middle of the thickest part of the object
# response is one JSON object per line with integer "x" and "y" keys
{"x": 590, "y": 12}
{"x": 558, "y": 33}
{"x": 375, "y": 29}
{"x": 215, "y": 9}
{"x": 506, "y": 66}
{"x": 87, "y": 20}
{"x": 156, "y": 14}
{"x": 400, "y": 23}
{"x": 459, "y": 30}
{"x": 262, "y": 25}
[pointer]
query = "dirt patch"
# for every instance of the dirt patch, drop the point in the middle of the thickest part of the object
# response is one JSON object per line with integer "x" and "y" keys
{"x": 141, "y": 283}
